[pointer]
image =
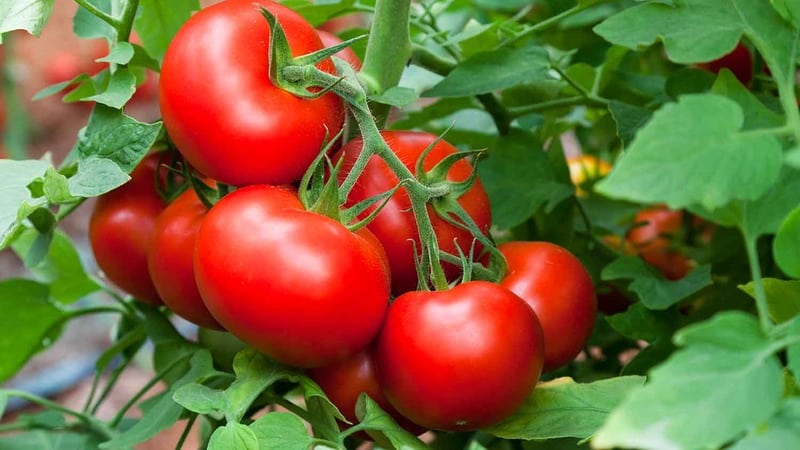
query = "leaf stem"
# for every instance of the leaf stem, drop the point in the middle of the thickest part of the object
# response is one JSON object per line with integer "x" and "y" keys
{"x": 186, "y": 430}
{"x": 557, "y": 103}
{"x": 99, "y": 13}
{"x": 153, "y": 381}
{"x": 89, "y": 420}
{"x": 758, "y": 285}
{"x": 549, "y": 22}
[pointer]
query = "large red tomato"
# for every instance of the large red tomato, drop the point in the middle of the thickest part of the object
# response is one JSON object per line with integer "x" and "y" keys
{"x": 652, "y": 236}
{"x": 120, "y": 229}
{"x": 220, "y": 107}
{"x": 559, "y": 289}
{"x": 170, "y": 259}
{"x": 460, "y": 359}
{"x": 395, "y": 225}
{"x": 295, "y": 285}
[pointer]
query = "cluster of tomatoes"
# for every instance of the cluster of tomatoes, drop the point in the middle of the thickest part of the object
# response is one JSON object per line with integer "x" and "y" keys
{"x": 302, "y": 287}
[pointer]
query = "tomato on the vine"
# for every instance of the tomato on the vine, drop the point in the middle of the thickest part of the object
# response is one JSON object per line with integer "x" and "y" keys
{"x": 395, "y": 225}
{"x": 559, "y": 289}
{"x": 170, "y": 259}
{"x": 652, "y": 235}
{"x": 295, "y": 285}
{"x": 221, "y": 109}
{"x": 120, "y": 229}
{"x": 460, "y": 359}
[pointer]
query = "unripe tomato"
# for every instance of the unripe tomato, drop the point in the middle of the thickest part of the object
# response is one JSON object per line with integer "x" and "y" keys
{"x": 395, "y": 225}
{"x": 460, "y": 359}
{"x": 559, "y": 289}
{"x": 652, "y": 236}
{"x": 293, "y": 284}
{"x": 221, "y": 109}
{"x": 120, "y": 229}
{"x": 170, "y": 259}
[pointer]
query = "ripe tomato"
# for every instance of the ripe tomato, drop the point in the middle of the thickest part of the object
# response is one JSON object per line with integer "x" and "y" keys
{"x": 460, "y": 359}
{"x": 737, "y": 61}
{"x": 652, "y": 236}
{"x": 120, "y": 229}
{"x": 395, "y": 225}
{"x": 348, "y": 54}
{"x": 170, "y": 259}
{"x": 295, "y": 285}
{"x": 345, "y": 380}
{"x": 586, "y": 169}
{"x": 220, "y": 107}
{"x": 559, "y": 289}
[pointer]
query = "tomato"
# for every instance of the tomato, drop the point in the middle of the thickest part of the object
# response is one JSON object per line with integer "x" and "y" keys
{"x": 395, "y": 225}
{"x": 293, "y": 284}
{"x": 559, "y": 289}
{"x": 348, "y": 54}
{"x": 68, "y": 63}
{"x": 585, "y": 169}
{"x": 737, "y": 61}
{"x": 170, "y": 259}
{"x": 345, "y": 380}
{"x": 221, "y": 109}
{"x": 652, "y": 236}
{"x": 120, "y": 229}
{"x": 460, "y": 359}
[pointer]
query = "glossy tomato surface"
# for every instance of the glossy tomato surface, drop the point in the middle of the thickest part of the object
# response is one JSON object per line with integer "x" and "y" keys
{"x": 170, "y": 259}
{"x": 461, "y": 359}
{"x": 120, "y": 229}
{"x": 395, "y": 225}
{"x": 220, "y": 107}
{"x": 295, "y": 285}
{"x": 653, "y": 234}
{"x": 559, "y": 289}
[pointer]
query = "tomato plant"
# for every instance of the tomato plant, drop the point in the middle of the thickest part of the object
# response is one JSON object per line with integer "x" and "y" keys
{"x": 653, "y": 235}
{"x": 348, "y": 54}
{"x": 395, "y": 225}
{"x": 460, "y": 359}
{"x": 256, "y": 254}
{"x": 271, "y": 136}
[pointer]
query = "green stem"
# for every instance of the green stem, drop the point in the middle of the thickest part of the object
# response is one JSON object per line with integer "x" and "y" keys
{"x": 90, "y": 421}
{"x": 758, "y": 285}
{"x": 549, "y": 22}
{"x": 186, "y": 431}
{"x": 99, "y": 13}
{"x": 388, "y": 49}
{"x": 500, "y": 114}
{"x": 132, "y": 401}
{"x": 557, "y": 103}
{"x": 126, "y": 20}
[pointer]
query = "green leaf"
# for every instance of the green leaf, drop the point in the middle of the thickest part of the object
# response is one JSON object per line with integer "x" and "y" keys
{"x": 322, "y": 412}
{"x": 756, "y": 114}
{"x": 233, "y": 436}
{"x": 61, "y": 268}
{"x": 653, "y": 290}
{"x": 16, "y": 200}
{"x": 158, "y": 21}
{"x": 396, "y": 96}
{"x": 88, "y": 26}
{"x": 641, "y": 323}
{"x": 789, "y": 10}
{"x": 564, "y": 408}
{"x": 383, "y": 426}
{"x": 96, "y": 176}
{"x": 281, "y": 430}
{"x": 725, "y": 382}
{"x": 629, "y": 119}
{"x": 28, "y": 15}
{"x": 783, "y": 297}
{"x": 122, "y": 53}
{"x": 519, "y": 179}
{"x": 786, "y": 243}
{"x": 56, "y": 187}
{"x": 120, "y": 89}
{"x": 49, "y": 440}
{"x": 199, "y": 398}
{"x": 710, "y": 162}
{"x": 163, "y": 412}
{"x": 27, "y": 319}
{"x": 781, "y": 431}
{"x": 254, "y": 374}
{"x": 492, "y": 71}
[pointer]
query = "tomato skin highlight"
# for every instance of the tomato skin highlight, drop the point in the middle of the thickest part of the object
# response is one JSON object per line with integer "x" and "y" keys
{"x": 120, "y": 229}
{"x": 395, "y": 225}
{"x": 559, "y": 289}
{"x": 170, "y": 259}
{"x": 293, "y": 284}
{"x": 461, "y": 359}
{"x": 220, "y": 107}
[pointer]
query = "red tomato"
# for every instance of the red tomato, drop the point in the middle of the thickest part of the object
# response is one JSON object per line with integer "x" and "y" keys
{"x": 295, "y": 285}
{"x": 120, "y": 229}
{"x": 395, "y": 225}
{"x": 652, "y": 236}
{"x": 170, "y": 259}
{"x": 220, "y": 107}
{"x": 559, "y": 289}
{"x": 348, "y": 54}
{"x": 737, "y": 61}
{"x": 68, "y": 63}
{"x": 461, "y": 359}
{"x": 345, "y": 380}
